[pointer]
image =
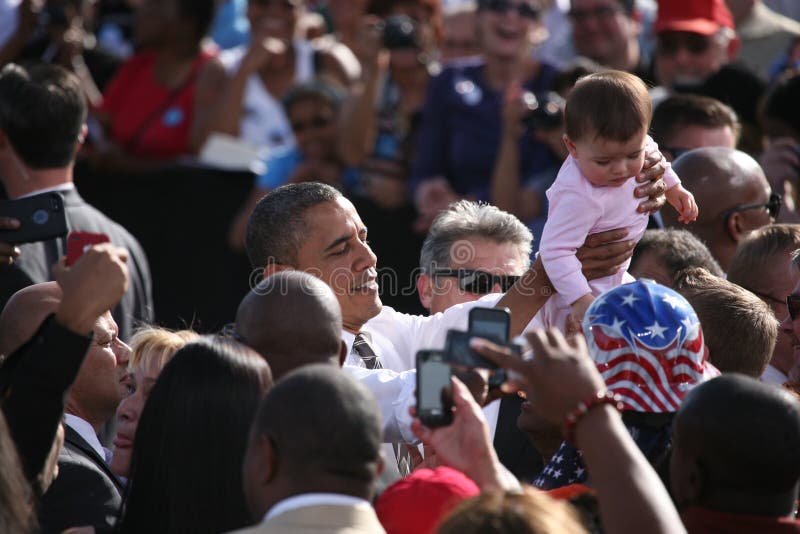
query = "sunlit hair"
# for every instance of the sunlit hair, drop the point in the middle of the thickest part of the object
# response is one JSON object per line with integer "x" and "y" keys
{"x": 530, "y": 512}
{"x": 152, "y": 347}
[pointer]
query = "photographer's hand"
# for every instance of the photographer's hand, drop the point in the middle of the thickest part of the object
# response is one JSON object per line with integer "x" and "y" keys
{"x": 465, "y": 443}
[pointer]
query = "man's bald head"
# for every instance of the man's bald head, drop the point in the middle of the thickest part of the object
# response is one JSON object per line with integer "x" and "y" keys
{"x": 722, "y": 179}
{"x": 24, "y": 313}
{"x": 292, "y": 319}
{"x": 736, "y": 439}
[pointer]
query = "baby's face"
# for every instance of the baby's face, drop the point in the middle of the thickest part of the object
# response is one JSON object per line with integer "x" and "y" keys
{"x": 608, "y": 163}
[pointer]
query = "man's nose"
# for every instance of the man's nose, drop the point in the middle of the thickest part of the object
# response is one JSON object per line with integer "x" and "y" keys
{"x": 122, "y": 351}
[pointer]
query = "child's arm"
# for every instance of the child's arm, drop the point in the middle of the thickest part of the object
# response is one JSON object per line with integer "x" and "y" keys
{"x": 572, "y": 214}
{"x": 580, "y": 306}
{"x": 683, "y": 202}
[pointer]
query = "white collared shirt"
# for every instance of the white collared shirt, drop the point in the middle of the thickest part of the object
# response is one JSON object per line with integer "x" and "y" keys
{"x": 314, "y": 499}
{"x": 66, "y": 186}
{"x": 396, "y": 337}
{"x": 772, "y": 375}
{"x": 85, "y": 430}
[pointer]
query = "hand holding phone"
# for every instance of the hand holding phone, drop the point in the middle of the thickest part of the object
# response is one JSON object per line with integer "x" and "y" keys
{"x": 434, "y": 389}
{"x": 80, "y": 242}
{"x": 40, "y": 217}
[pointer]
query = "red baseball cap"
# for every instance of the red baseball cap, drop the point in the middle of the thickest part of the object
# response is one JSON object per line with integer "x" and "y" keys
{"x": 417, "y": 503}
{"x": 705, "y": 17}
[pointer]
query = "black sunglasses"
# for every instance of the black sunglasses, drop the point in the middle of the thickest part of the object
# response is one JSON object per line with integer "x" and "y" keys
{"x": 793, "y": 303}
{"x": 524, "y": 9}
{"x": 670, "y": 42}
{"x": 478, "y": 282}
{"x": 676, "y": 152}
{"x": 773, "y": 206}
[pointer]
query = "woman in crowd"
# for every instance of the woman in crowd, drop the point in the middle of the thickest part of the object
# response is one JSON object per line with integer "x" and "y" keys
{"x": 461, "y": 120}
{"x": 248, "y": 83}
{"x": 151, "y": 107}
{"x": 151, "y": 349}
{"x": 191, "y": 439}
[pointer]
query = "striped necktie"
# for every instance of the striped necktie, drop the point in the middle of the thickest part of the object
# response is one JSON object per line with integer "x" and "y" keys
{"x": 362, "y": 347}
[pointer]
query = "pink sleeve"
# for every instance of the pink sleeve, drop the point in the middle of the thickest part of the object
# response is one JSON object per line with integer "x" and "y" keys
{"x": 670, "y": 177}
{"x": 572, "y": 214}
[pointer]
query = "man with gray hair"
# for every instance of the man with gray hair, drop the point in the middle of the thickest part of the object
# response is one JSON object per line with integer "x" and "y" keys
{"x": 474, "y": 249}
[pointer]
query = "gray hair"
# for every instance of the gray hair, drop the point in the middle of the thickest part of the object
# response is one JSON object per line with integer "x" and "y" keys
{"x": 276, "y": 226}
{"x": 465, "y": 220}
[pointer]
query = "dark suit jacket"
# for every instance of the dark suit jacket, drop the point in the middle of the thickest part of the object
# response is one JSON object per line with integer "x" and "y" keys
{"x": 85, "y": 492}
{"x": 33, "y": 383}
{"x": 512, "y": 446}
{"x": 36, "y": 259}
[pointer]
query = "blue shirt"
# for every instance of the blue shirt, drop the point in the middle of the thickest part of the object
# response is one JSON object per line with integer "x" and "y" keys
{"x": 459, "y": 136}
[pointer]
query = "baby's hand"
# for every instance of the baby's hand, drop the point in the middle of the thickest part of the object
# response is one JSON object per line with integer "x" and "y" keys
{"x": 580, "y": 306}
{"x": 683, "y": 202}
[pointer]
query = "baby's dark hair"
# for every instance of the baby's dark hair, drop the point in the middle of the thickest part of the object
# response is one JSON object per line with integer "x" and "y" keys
{"x": 612, "y": 105}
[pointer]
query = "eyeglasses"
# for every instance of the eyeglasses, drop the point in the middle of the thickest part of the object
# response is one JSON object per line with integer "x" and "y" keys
{"x": 793, "y": 303}
{"x": 478, "y": 282}
{"x": 315, "y": 122}
{"x": 524, "y": 9}
{"x": 773, "y": 206}
{"x": 603, "y": 13}
{"x": 670, "y": 42}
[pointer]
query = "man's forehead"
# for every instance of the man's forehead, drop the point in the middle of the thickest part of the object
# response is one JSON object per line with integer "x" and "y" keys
{"x": 331, "y": 217}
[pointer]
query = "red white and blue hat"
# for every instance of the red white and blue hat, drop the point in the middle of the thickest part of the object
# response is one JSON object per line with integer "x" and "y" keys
{"x": 648, "y": 345}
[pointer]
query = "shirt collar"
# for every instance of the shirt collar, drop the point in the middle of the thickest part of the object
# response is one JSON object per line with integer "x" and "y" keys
{"x": 313, "y": 499}
{"x": 67, "y": 186}
{"x": 85, "y": 430}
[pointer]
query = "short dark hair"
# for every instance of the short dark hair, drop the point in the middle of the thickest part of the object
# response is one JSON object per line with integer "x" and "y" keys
{"x": 679, "y": 249}
{"x": 758, "y": 250}
{"x": 276, "y": 226}
{"x": 322, "y": 422}
{"x": 745, "y": 435}
{"x": 679, "y": 111}
{"x": 191, "y": 439}
{"x": 42, "y": 111}
{"x": 201, "y": 12}
{"x": 612, "y": 105}
{"x": 267, "y": 321}
{"x": 740, "y": 330}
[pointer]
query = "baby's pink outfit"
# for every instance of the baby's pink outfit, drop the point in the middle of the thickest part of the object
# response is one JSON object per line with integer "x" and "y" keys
{"x": 577, "y": 209}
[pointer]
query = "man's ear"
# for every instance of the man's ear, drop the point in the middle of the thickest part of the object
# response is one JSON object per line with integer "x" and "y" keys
{"x": 425, "y": 290}
{"x": 268, "y": 467}
{"x": 342, "y": 353}
{"x": 571, "y": 148}
{"x": 736, "y": 227}
{"x": 82, "y": 134}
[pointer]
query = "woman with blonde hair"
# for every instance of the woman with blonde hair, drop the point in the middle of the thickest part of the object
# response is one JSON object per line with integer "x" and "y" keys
{"x": 151, "y": 349}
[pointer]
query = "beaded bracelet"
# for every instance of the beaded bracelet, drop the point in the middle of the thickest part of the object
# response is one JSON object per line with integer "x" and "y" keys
{"x": 600, "y": 398}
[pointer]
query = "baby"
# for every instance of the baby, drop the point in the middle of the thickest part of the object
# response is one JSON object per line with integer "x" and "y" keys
{"x": 606, "y": 117}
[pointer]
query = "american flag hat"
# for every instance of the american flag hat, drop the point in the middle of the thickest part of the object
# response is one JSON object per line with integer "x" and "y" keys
{"x": 648, "y": 345}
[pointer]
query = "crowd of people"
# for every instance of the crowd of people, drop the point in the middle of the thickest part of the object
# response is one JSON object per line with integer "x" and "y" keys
{"x": 622, "y": 177}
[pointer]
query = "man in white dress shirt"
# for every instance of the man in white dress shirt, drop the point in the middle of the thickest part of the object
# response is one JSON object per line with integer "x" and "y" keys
{"x": 312, "y": 227}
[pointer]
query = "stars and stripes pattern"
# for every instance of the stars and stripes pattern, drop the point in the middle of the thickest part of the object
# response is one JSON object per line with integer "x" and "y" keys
{"x": 648, "y": 345}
